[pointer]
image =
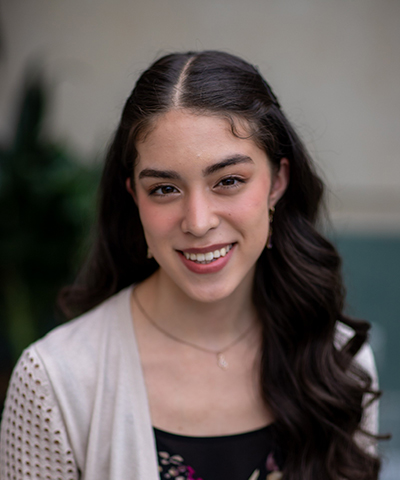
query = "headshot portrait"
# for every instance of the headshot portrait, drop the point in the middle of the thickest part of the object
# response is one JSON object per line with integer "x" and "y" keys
{"x": 200, "y": 241}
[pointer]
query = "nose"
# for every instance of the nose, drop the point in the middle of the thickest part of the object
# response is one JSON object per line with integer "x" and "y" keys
{"x": 199, "y": 214}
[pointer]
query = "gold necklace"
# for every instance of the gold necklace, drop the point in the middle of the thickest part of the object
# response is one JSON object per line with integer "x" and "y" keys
{"x": 221, "y": 360}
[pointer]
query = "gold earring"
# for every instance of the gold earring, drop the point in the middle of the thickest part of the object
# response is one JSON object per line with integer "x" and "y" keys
{"x": 149, "y": 254}
{"x": 271, "y": 218}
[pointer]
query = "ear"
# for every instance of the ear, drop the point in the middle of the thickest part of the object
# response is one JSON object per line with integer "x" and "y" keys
{"x": 128, "y": 185}
{"x": 280, "y": 181}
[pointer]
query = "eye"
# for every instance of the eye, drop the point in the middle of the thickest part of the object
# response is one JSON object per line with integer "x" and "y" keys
{"x": 163, "y": 190}
{"x": 230, "y": 182}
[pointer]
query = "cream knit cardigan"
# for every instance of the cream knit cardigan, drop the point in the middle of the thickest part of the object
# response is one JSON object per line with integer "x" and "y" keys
{"x": 77, "y": 405}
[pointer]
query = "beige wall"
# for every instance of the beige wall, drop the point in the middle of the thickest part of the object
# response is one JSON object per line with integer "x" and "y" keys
{"x": 334, "y": 64}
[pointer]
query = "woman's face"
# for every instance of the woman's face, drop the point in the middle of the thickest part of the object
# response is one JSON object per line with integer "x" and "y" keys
{"x": 204, "y": 196}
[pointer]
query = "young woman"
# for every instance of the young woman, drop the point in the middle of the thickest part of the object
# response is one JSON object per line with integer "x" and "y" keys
{"x": 210, "y": 341}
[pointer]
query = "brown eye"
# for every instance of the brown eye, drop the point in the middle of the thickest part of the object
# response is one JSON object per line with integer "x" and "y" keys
{"x": 230, "y": 182}
{"x": 167, "y": 189}
{"x": 163, "y": 190}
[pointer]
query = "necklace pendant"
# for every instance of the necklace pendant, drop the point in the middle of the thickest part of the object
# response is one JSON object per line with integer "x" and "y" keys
{"x": 221, "y": 361}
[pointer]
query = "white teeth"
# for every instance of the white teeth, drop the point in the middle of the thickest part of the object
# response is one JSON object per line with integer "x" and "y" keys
{"x": 209, "y": 256}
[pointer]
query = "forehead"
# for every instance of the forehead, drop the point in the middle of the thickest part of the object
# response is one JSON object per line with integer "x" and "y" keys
{"x": 182, "y": 136}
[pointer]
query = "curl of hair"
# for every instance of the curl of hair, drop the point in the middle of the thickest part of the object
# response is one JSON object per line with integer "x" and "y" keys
{"x": 314, "y": 390}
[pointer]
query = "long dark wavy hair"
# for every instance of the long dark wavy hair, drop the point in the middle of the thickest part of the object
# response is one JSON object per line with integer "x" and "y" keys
{"x": 312, "y": 387}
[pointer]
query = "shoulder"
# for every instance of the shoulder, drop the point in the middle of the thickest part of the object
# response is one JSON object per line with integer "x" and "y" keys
{"x": 71, "y": 371}
{"x": 72, "y": 355}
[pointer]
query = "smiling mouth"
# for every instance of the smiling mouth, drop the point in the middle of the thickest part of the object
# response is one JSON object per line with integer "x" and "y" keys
{"x": 207, "y": 258}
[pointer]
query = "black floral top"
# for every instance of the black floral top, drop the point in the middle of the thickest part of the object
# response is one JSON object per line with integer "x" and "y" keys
{"x": 251, "y": 455}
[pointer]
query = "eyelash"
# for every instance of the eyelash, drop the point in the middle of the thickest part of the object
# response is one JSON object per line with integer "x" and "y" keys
{"x": 238, "y": 182}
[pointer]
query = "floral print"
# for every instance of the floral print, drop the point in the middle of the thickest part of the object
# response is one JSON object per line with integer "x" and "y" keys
{"x": 271, "y": 468}
{"x": 172, "y": 467}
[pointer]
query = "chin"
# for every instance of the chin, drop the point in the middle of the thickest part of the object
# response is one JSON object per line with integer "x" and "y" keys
{"x": 210, "y": 293}
{"x": 209, "y": 288}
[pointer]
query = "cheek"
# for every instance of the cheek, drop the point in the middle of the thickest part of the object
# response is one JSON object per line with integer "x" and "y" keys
{"x": 253, "y": 208}
{"x": 156, "y": 220}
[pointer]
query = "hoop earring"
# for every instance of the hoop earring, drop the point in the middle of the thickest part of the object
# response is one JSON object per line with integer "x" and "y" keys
{"x": 149, "y": 254}
{"x": 271, "y": 219}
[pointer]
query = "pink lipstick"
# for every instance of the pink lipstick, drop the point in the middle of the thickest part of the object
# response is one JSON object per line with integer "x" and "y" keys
{"x": 207, "y": 260}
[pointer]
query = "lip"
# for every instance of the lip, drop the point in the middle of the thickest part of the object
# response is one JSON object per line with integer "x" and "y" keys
{"x": 210, "y": 248}
{"x": 212, "y": 267}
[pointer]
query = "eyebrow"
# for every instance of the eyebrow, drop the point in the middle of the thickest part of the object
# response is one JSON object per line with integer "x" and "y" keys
{"x": 171, "y": 174}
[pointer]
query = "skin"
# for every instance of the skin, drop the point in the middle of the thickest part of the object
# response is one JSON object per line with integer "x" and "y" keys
{"x": 189, "y": 198}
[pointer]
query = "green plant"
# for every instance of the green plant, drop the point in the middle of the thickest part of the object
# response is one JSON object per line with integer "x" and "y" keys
{"x": 47, "y": 200}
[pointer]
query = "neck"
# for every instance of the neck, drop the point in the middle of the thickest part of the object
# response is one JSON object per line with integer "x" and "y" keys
{"x": 210, "y": 324}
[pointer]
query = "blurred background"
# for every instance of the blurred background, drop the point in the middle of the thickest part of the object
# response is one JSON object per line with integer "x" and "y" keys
{"x": 66, "y": 68}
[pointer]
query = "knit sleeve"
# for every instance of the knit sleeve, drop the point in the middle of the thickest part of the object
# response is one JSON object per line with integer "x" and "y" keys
{"x": 34, "y": 442}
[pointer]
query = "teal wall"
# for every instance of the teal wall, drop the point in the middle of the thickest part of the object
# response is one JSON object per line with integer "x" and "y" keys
{"x": 371, "y": 267}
